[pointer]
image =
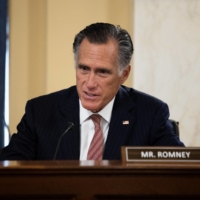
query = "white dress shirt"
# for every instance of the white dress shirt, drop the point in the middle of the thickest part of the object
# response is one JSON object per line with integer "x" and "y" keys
{"x": 87, "y": 127}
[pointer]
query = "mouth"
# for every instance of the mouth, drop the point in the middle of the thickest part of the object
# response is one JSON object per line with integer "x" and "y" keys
{"x": 90, "y": 96}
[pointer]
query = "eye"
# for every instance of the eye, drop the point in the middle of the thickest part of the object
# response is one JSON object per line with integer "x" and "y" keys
{"x": 104, "y": 72}
{"x": 83, "y": 68}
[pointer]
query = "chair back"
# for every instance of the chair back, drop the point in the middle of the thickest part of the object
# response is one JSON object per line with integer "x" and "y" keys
{"x": 175, "y": 125}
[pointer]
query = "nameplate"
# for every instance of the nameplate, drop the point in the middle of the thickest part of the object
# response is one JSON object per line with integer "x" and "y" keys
{"x": 160, "y": 154}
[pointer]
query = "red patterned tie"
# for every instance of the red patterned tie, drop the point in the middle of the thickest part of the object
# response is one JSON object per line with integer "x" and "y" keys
{"x": 96, "y": 146}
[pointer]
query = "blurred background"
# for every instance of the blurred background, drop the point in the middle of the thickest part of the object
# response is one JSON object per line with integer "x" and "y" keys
{"x": 166, "y": 61}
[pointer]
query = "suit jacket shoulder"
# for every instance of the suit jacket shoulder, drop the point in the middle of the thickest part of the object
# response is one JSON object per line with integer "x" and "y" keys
{"x": 45, "y": 119}
{"x": 138, "y": 119}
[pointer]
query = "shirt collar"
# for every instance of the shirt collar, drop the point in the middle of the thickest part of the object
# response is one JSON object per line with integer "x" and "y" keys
{"x": 105, "y": 112}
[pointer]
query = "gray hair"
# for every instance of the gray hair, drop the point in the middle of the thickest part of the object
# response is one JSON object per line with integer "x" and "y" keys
{"x": 100, "y": 33}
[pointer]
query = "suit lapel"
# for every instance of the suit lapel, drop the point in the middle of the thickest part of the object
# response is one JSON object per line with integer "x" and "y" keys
{"x": 70, "y": 143}
{"x": 121, "y": 124}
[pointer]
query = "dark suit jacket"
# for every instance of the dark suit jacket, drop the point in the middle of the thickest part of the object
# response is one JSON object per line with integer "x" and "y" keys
{"x": 46, "y": 118}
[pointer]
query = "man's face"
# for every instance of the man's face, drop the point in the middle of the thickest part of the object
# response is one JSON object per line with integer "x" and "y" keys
{"x": 97, "y": 76}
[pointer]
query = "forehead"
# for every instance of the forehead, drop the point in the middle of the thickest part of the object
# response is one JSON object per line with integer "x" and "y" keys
{"x": 98, "y": 51}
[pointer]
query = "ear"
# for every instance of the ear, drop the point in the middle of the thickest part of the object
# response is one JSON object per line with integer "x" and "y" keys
{"x": 125, "y": 74}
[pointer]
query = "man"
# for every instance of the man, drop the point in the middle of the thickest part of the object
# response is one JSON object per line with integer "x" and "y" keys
{"x": 127, "y": 117}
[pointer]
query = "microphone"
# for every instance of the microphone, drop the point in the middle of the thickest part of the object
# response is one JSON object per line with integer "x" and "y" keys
{"x": 70, "y": 125}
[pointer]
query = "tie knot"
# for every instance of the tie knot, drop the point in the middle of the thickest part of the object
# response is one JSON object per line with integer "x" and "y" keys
{"x": 96, "y": 119}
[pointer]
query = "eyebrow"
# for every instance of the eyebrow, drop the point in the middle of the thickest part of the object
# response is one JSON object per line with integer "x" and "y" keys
{"x": 82, "y": 65}
{"x": 104, "y": 69}
{"x": 98, "y": 69}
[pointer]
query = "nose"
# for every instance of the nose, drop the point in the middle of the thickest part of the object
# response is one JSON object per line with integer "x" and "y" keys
{"x": 91, "y": 81}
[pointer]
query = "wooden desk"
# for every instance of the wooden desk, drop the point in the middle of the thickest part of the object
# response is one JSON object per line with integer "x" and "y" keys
{"x": 98, "y": 180}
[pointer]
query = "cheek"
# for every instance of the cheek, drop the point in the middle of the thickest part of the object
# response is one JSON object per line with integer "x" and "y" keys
{"x": 79, "y": 79}
{"x": 110, "y": 88}
{"x": 78, "y": 83}
{"x": 114, "y": 83}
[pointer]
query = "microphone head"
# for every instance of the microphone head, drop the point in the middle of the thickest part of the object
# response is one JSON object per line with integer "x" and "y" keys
{"x": 70, "y": 125}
